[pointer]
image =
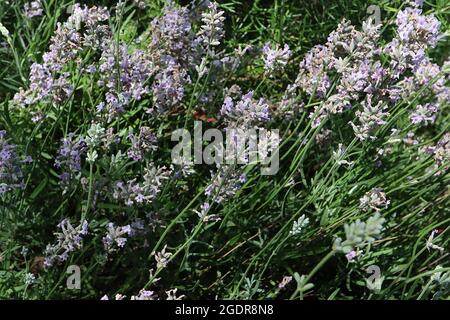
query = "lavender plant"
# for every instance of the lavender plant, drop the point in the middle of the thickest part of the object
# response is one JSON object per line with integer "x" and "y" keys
{"x": 90, "y": 96}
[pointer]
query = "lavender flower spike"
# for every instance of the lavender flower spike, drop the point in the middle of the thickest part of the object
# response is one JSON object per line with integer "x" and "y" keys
{"x": 275, "y": 59}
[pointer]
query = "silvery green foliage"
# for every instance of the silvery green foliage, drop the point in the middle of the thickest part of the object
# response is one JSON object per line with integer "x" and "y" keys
{"x": 3, "y": 31}
{"x": 91, "y": 156}
{"x": 440, "y": 280}
{"x": 250, "y": 287}
{"x": 29, "y": 279}
{"x": 95, "y": 135}
{"x": 302, "y": 283}
{"x": 202, "y": 68}
{"x": 440, "y": 277}
{"x": 299, "y": 225}
{"x": 359, "y": 234}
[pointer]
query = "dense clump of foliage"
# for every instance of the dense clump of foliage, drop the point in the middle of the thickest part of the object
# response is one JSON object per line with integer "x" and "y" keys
{"x": 356, "y": 102}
